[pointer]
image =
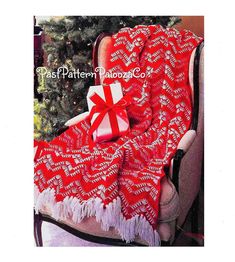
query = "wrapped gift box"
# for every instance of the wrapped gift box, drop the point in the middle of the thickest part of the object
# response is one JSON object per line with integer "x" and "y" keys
{"x": 111, "y": 95}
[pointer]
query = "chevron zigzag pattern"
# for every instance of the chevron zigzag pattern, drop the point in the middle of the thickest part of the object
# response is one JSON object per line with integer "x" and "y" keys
{"x": 119, "y": 182}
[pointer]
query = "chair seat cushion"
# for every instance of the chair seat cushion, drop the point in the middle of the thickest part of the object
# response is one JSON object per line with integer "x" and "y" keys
{"x": 53, "y": 235}
{"x": 169, "y": 210}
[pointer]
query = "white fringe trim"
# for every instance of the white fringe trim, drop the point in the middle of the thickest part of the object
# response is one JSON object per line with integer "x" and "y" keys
{"x": 110, "y": 216}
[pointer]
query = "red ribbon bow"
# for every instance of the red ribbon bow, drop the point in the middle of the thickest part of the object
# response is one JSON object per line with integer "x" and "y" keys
{"x": 103, "y": 107}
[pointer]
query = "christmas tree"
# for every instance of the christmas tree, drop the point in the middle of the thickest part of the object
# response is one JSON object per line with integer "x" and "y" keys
{"x": 71, "y": 47}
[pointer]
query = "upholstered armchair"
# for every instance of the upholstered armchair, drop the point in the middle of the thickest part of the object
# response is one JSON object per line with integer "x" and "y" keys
{"x": 181, "y": 184}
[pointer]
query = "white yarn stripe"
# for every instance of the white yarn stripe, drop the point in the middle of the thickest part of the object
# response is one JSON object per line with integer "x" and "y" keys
{"x": 111, "y": 216}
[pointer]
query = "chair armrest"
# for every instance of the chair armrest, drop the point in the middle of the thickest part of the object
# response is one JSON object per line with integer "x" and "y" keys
{"x": 176, "y": 167}
{"x": 183, "y": 146}
{"x": 38, "y": 145}
{"x": 70, "y": 122}
{"x": 196, "y": 63}
{"x": 187, "y": 140}
{"x": 77, "y": 119}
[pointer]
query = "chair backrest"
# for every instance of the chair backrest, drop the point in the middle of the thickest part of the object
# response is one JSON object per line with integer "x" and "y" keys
{"x": 190, "y": 170}
{"x": 101, "y": 49}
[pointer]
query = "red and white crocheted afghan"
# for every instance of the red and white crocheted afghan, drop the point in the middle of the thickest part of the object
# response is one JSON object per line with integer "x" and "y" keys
{"x": 118, "y": 182}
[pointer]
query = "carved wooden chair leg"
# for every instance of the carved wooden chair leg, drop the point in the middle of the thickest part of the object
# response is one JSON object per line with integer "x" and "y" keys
{"x": 195, "y": 218}
{"x": 165, "y": 243}
{"x": 38, "y": 229}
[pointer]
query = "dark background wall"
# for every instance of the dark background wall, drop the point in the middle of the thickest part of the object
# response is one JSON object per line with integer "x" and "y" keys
{"x": 193, "y": 23}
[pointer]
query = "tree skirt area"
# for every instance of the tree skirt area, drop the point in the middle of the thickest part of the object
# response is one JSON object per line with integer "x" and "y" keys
{"x": 54, "y": 236}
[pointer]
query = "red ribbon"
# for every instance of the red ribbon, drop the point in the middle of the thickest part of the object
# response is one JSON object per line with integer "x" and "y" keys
{"x": 103, "y": 107}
